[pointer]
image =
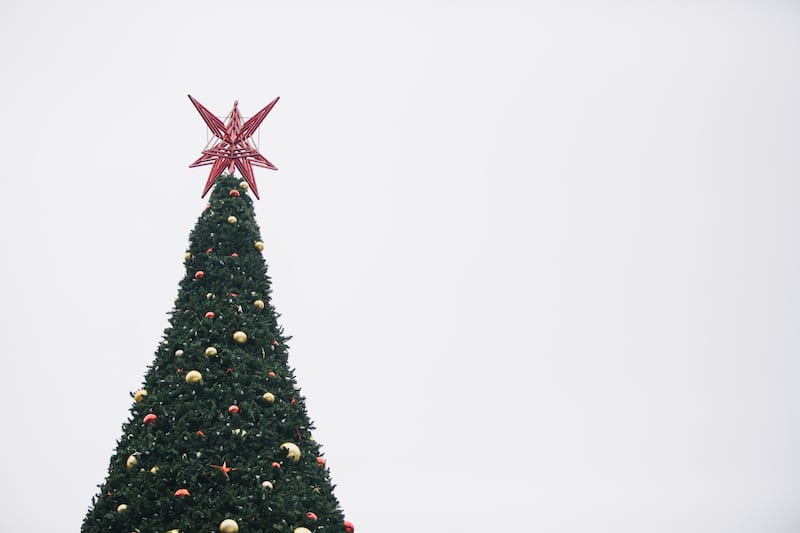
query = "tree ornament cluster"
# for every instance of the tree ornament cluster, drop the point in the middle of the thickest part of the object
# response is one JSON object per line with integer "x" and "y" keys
{"x": 219, "y": 432}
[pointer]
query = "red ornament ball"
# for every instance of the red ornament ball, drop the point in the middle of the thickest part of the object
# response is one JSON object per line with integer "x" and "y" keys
{"x": 276, "y": 464}
{"x": 210, "y": 314}
{"x": 233, "y": 409}
{"x": 311, "y": 516}
{"x": 181, "y": 493}
{"x": 199, "y": 274}
{"x": 321, "y": 461}
{"x": 149, "y": 419}
{"x": 234, "y": 193}
{"x": 349, "y": 527}
{"x": 234, "y": 254}
{"x": 271, "y": 374}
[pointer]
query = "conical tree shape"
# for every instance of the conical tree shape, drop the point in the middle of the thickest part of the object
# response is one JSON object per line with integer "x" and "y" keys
{"x": 220, "y": 395}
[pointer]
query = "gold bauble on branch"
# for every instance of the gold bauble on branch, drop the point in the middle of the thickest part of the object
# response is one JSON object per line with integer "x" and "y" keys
{"x": 259, "y": 304}
{"x": 259, "y": 246}
{"x": 211, "y": 351}
{"x": 154, "y": 470}
{"x": 292, "y": 451}
{"x": 240, "y": 337}
{"x": 122, "y": 507}
{"x": 243, "y": 185}
{"x": 131, "y": 462}
{"x": 139, "y": 395}
{"x": 229, "y": 526}
{"x": 268, "y": 397}
{"x": 193, "y": 376}
{"x": 302, "y": 529}
{"x": 266, "y": 484}
{"x": 232, "y": 219}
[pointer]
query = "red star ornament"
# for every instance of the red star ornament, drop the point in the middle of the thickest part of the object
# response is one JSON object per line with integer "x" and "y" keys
{"x": 225, "y": 469}
{"x": 233, "y": 147}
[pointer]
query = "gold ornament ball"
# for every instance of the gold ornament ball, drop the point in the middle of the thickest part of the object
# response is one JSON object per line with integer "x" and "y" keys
{"x": 139, "y": 395}
{"x": 269, "y": 397}
{"x": 174, "y": 531}
{"x": 292, "y": 451}
{"x": 302, "y": 529}
{"x": 266, "y": 484}
{"x": 240, "y": 337}
{"x": 231, "y": 219}
{"x": 259, "y": 304}
{"x": 154, "y": 470}
{"x": 259, "y": 246}
{"x": 131, "y": 462}
{"x": 210, "y": 296}
{"x": 193, "y": 376}
{"x": 229, "y": 526}
{"x": 243, "y": 185}
{"x": 187, "y": 255}
{"x": 121, "y": 507}
{"x": 211, "y": 351}
{"x": 178, "y": 353}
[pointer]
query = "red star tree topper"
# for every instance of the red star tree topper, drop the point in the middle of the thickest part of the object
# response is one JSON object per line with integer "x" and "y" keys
{"x": 233, "y": 147}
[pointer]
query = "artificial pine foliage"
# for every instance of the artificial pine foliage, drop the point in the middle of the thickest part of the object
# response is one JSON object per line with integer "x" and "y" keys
{"x": 233, "y": 463}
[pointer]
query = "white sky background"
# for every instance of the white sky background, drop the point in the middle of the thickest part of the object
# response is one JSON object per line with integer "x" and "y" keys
{"x": 540, "y": 263}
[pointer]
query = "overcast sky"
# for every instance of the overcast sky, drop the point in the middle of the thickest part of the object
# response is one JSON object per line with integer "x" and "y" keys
{"x": 540, "y": 260}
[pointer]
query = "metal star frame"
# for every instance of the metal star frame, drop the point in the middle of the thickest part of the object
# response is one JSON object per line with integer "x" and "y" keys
{"x": 233, "y": 147}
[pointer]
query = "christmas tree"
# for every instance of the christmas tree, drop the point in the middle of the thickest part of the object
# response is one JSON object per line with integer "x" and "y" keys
{"x": 218, "y": 437}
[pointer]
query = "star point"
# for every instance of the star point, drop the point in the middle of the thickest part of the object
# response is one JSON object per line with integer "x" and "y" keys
{"x": 233, "y": 148}
{"x": 225, "y": 469}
